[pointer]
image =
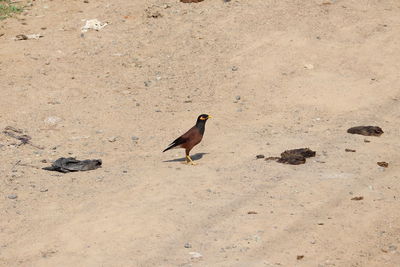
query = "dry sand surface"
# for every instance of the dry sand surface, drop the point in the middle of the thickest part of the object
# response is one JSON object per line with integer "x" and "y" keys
{"x": 305, "y": 71}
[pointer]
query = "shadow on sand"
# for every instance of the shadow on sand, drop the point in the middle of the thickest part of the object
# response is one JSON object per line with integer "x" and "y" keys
{"x": 194, "y": 157}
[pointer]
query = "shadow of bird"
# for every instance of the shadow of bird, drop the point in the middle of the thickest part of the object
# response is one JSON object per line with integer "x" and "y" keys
{"x": 194, "y": 157}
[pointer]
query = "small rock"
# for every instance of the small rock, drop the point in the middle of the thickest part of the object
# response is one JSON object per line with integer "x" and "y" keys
{"x": 154, "y": 14}
{"x": 370, "y": 187}
{"x": 82, "y": 137}
{"x": 383, "y": 164}
{"x": 299, "y": 257}
{"x": 309, "y": 66}
{"x": 112, "y": 139}
{"x": 20, "y": 37}
{"x": 86, "y": 1}
{"x": 252, "y": 212}
{"x": 237, "y": 97}
{"x": 349, "y": 150}
{"x": 260, "y": 156}
{"x": 44, "y": 190}
{"x": 52, "y": 120}
{"x": 12, "y": 196}
{"x": 187, "y": 245}
{"x": 195, "y": 255}
{"x": 135, "y": 138}
{"x": 357, "y": 198}
{"x": 392, "y": 248}
{"x": 93, "y": 24}
{"x": 234, "y": 68}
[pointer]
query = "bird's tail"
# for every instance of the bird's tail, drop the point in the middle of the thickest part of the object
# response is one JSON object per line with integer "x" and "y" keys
{"x": 168, "y": 148}
{"x": 179, "y": 141}
{"x": 171, "y": 146}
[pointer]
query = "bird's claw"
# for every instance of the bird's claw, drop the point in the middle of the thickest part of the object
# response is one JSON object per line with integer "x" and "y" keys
{"x": 190, "y": 161}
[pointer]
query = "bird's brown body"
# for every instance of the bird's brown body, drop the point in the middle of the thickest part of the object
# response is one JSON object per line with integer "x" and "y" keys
{"x": 191, "y": 138}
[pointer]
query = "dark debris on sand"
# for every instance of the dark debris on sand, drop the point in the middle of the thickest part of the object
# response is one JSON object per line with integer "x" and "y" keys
{"x": 366, "y": 130}
{"x": 19, "y": 135}
{"x": 294, "y": 156}
{"x": 73, "y": 165}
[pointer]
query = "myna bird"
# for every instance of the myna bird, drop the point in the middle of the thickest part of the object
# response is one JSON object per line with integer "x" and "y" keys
{"x": 191, "y": 138}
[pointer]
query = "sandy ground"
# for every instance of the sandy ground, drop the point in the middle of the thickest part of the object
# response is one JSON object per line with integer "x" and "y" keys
{"x": 305, "y": 71}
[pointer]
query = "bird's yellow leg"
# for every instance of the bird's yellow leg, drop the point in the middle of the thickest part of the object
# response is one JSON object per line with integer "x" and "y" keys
{"x": 189, "y": 160}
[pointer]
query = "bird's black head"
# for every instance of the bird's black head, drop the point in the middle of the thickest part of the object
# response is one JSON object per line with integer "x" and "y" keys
{"x": 203, "y": 118}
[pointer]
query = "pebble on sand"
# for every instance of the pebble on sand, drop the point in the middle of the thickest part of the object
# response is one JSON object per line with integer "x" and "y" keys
{"x": 52, "y": 120}
{"x": 12, "y": 196}
{"x": 309, "y": 66}
{"x": 195, "y": 255}
{"x": 112, "y": 139}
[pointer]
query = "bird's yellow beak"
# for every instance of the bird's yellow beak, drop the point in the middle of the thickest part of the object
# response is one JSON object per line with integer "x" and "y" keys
{"x": 209, "y": 117}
